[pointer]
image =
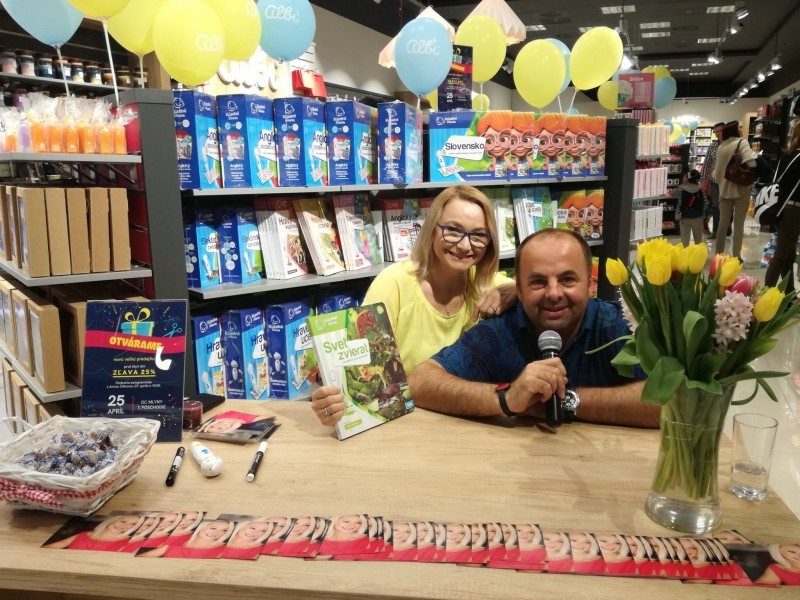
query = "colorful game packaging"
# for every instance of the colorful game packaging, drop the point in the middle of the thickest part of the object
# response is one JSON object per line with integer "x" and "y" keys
{"x": 247, "y": 141}
{"x": 302, "y": 146}
{"x": 197, "y": 140}
{"x": 292, "y": 361}
{"x": 352, "y": 147}
{"x": 399, "y": 143}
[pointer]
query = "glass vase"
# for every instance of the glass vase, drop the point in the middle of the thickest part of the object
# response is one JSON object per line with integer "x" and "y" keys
{"x": 684, "y": 495}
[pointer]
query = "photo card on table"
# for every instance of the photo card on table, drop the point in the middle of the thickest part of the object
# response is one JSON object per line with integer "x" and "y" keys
{"x": 458, "y": 547}
{"x": 207, "y": 541}
{"x": 586, "y": 556}
{"x": 559, "y": 553}
{"x": 105, "y": 533}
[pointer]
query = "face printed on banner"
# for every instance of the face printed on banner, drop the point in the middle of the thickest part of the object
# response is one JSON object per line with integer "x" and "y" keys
{"x": 597, "y": 145}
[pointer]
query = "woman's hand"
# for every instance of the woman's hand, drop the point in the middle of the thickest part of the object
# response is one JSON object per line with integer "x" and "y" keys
{"x": 495, "y": 301}
{"x": 327, "y": 402}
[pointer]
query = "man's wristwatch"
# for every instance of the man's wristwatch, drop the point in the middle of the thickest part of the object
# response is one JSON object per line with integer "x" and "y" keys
{"x": 570, "y": 405}
{"x": 501, "y": 397}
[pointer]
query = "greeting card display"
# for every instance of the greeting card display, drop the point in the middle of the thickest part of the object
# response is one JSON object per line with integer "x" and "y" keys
{"x": 133, "y": 362}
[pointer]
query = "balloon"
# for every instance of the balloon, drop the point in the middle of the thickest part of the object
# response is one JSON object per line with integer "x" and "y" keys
{"x": 488, "y": 41}
{"x": 423, "y": 55}
{"x": 658, "y": 71}
{"x": 189, "y": 40}
{"x": 675, "y": 133}
{"x": 481, "y": 102}
{"x": 564, "y": 49}
{"x": 242, "y": 27}
{"x": 664, "y": 92}
{"x": 97, "y": 9}
{"x": 132, "y": 27}
{"x": 61, "y": 23}
{"x": 433, "y": 98}
{"x": 693, "y": 125}
{"x": 287, "y": 28}
{"x": 539, "y": 72}
{"x": 680, "y": 140}
{"x": 607, "y": 95}
{"x": 685, "y": 129}
{"x": 572, "y": 111}
{"x": 595, "y": 57}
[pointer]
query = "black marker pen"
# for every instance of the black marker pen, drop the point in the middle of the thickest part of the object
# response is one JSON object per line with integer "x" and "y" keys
{"x": 176, "y": 464}
{"x": 251, "y": 474}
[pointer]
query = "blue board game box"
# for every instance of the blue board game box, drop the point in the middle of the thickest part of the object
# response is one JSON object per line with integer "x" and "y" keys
{"x": 247, "y": 141}
{"x": 399, "y": 143}
{"x": 292, "y": 361}
{"x": 352, "y": 147}
{"x": 197, "y": 140}
{"x": 209, "y": 366}
{"x": 201, "y": 247}
{"x": 240, "y": 248}
{"x": 302, "y": 145}
{"x": 244, "y": 348}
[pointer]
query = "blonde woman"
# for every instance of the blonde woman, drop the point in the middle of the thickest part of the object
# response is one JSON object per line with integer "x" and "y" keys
{"x": 280, "y": 529}
{"x": 404, "y": 541}
{"x": 449, "y": 282}
{"x": 616, "y": 553}
{"x": 140, "y": 536}
{"x": 496, "y": 542}
{"x": 426, "y": 541}
{"x": 167, "y": 522}
{"x": 111, "y": 534}
{"x": 298, "y": 539}
{"x": 185, "y": 528}
{"x": 786, "y": 569}
{"x": 585, "y": 554}
{"x": 349, "y": 534}
{"x": 559, "y": 552}
{"x": 457, "y": 547}
{"x": 247, "y": 540}
{"x": 208, "y": 541}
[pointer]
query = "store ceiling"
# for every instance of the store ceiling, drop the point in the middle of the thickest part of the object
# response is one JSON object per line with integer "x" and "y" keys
{"x": 772, "y": 27}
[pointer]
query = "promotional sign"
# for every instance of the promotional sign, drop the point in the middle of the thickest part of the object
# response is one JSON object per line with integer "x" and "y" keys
{"x": 456, "y": 90}
{"x": 133, "y": 363}
{"x": 636, "y": 90}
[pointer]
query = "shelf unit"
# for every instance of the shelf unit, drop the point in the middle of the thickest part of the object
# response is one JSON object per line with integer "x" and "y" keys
{"x": 70, "y": 391}
{"x": 50, "y": 157}
{"x": 31, "y": 81}
{"x": 134, "y": 273}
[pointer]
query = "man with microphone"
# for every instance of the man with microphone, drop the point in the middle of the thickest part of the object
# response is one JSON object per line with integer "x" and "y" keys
{"x": 513, "y": 364}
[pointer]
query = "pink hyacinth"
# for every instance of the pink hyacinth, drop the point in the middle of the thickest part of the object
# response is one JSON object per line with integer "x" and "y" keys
{"x": 732, "y": 315}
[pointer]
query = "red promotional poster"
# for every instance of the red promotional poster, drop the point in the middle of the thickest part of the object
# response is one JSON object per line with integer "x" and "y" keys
{"x": 636, "y": 90}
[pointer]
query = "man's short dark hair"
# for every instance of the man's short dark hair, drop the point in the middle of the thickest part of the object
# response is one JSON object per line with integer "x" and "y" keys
{"x": 545, "y": 233}
{"x": 720, "y": 124}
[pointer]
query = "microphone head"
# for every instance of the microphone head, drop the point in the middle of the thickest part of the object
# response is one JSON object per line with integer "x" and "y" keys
{"x": 549, "y": 341}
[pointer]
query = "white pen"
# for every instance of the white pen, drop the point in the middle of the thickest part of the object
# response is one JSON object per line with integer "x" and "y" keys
{"x": 251, "y": 473}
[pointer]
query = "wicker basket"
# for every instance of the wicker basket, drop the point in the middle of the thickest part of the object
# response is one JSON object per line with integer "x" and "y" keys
{"x": 77, "y": 495}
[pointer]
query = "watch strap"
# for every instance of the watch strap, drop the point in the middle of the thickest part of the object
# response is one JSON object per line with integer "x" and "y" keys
{"x": 501, "y": 397}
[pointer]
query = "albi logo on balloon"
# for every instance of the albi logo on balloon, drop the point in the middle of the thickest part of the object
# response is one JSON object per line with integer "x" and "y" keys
{"x": 422, "y": 46}
{"x": 209, "y": 43}
{"x": 281, "y": 12}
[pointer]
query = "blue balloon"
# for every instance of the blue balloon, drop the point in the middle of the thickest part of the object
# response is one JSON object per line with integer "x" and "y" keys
{"x": 680, "y": 140}
{"x": 564, "y": 49}
{"x": 664, "y": 91}
{"x": 423, "y": 55}
{"x": 287, "y": 27}
{"x": 693, "y": 125}
{"x": 52, "y": 22}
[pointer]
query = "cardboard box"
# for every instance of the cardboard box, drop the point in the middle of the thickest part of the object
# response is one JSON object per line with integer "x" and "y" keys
{"x": 119, "y": 229}
{"x": 352, "y": 143}
{"x": 209, "y": 365}
{"x": 78, "y": 226}
{"x": 99, "y": 235}
{"x": 8, "y": 314}
{"x": 57, "y": 231}
{"x": 240, "y": 248}
{"x": 45, "y": 339}
{"x": 30, "y": 406}
{"x": 201, "y": 244}
{"x": 331, "y": 303}
{"x": 5, "y": 232}
{"x": 302, "y": 146}
{"x": 247, "y": 141}
{"x": 17, "y": 388}
{"x": 197, "y": 139}
{"x": 399, "y": 143}
{"x": 13, "y": 224}
{"x": 72, "y": 319}
{"x": 291, "y": 358}
{"x": 22, "y": 329}
{"x": 32, "y": 217}
{"x": 48, "y": 410}
{"x": 8, "y": 398}
{"x": 243, "y": 347}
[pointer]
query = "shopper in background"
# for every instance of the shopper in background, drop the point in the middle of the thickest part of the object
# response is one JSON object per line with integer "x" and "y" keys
{"x": 448, "y": 282}
{"x": 710, "y": 188}
{"x": 690, "y": 209}
{"x": 734, "y": 199}
{"x": 789, "y": 220}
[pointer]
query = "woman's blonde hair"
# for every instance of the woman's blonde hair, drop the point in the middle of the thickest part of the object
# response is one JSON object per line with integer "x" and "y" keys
{"x": 223, "y": 540}
{"x": 794, "y": 140}
{"x": 262, "y": 539}
{"x": 422, "y": 254}
{"x": 103, "y": 525}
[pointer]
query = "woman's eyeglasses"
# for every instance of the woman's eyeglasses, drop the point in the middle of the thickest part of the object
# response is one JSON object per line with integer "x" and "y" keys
{"x": 454, "y": 235}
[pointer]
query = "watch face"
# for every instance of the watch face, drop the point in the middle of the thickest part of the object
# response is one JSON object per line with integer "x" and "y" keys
{"x": 571, "y": 401}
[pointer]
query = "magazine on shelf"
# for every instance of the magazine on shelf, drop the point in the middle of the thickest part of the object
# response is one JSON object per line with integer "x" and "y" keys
{"x": 279, "y": 233}
{"x": 357, "y": 352}
{"x": 317, "y": 224}
{"x": 504, "y": 215}
{"x": 402, "y": 219}
{"x": 357, "y": 231}
{"x": 533, "y": 210}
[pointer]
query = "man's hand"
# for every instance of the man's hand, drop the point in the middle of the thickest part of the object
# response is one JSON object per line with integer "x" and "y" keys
{"x": 327, "y": 402}
{"x": 537, "y": 383}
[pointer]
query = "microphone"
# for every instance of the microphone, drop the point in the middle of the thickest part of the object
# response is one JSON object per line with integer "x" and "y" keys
{"x": 550, "y": 347}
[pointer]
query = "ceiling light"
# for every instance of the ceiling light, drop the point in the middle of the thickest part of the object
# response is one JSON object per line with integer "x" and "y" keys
{"x": 761, "y": 77}
{"x": 584, "y": 29}
{"x": 703, "y": 64}
{"x": 498, "y": 10}
{"x": 775, "y": 64}
{"x": 615, "y": 10}
{"x": 714, "y": 40}
{"x": 627, "y": 63}
{"x": 656, "y": 34}
{"x": 715, "y": 57}
{"x": 733, "y": 29}
{"x": 700, "y": 73}
{"x": 658, "y": 25}
{"x": 742, "y": 14}
{"x": 637, "y": 48}
{"x": 770, "y": 72}
{"x": 678, "y": 70}
{"x": 535, "y": 28}
{"x": 727, "y": 8}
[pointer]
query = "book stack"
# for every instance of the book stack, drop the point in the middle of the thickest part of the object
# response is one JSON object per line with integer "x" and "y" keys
{"x": 533, "y": 210}
{"x": 317, "y": 224}
{"x": 357, "y": 231}
{"x": 279, "y": 233}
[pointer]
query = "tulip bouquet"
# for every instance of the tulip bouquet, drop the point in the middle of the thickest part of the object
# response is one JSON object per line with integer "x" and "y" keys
{"x": 695, "y": 335}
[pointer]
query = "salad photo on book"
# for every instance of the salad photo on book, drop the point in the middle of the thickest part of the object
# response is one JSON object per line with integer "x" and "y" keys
{"x": 357, "y": 352}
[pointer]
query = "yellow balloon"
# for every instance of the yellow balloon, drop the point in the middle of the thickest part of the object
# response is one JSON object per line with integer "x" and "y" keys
{"x": 676, "y": 133}
{"x": 539, "y": 71}
{"x": 189, "y": 40}
{"x": 242, "y": 25}
{"x": 595, "y": 57}
{"x": 686, "y": 130}
{"x": 481, "y": 102}
{"x": 132, "y": 27}
{"x": 488, "y": 43}
{"x": 99, "y": 9}
{"x": 658, "y": 71}
{"x": 433, "y": 99}
{"x": 607, "y": 95}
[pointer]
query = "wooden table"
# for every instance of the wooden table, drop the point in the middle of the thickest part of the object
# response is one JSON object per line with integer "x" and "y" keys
{"x": 423, "y": 466}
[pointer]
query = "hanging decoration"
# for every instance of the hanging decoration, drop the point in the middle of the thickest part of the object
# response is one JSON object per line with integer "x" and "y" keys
{"x": 664, "y": 91}
{"x": 512, "y": 25}
{"x": 386, "y": 56}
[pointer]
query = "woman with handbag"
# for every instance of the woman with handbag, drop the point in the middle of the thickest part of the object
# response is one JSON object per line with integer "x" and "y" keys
{"x": 735, "y": 174}
{"x": 789, "y": 220}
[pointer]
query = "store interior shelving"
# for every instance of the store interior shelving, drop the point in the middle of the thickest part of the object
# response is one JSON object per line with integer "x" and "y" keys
{"x": 135, "y": 272}
{"x": 52, "y": 83}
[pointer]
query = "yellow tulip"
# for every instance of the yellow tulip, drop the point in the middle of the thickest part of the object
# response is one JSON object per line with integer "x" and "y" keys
{"x": 641, "y": 250}
{"x": 659, "y": 268}
{"x": 675, "y": 257}
{"x": 697, "y": 255}
{"x": 616, "y": 272}
{"x": 730, "y": 269}
{"x": 682, "y": 264}
{"x": 767, "y": 305}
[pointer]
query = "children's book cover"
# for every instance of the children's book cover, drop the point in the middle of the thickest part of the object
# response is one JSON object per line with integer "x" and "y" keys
{"x": 317, "y": 222}
{"x": 357, "y": 352}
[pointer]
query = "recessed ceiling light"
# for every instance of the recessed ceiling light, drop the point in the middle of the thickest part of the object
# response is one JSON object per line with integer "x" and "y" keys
{"x": 678, "y": 70}
{"x": 704, "y": 64}
{"x": 658, "y": 25}
{"x": 535, "y": 28}
{"x": 637, "y": 48}
{"x": 615, "y": 10}
{"x": 713, "y": 40}
{"x": 727, "y": 8}
{"x": 699, "y": 73}
{"x": 656, "y": 34}
{"x": 584, "y": 29}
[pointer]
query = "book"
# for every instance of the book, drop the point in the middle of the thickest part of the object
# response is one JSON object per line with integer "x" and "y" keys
{"x": 571, "y": 212}
{"x": 236, "y": 427}
{"x": 357, "y": 352}
{"x": 279, "y": 233}
{"x": 403, "y": 218}
{"x": 533, "y": 210}
{"x": 504, "y": 215}
{"x": 319, "y": 231}
{"x": 357, "y": 231}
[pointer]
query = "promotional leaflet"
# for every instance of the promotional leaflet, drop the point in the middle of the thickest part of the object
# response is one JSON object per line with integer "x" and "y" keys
{"x": 133, "y": 362}
{"x": 636, "y": 90}
{"x": 456, "y": 90}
